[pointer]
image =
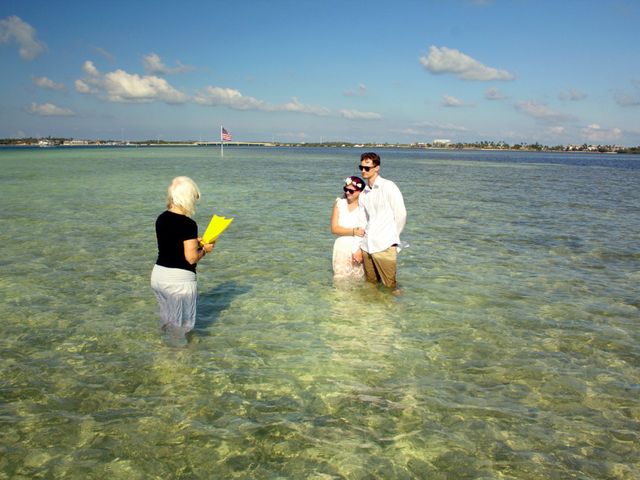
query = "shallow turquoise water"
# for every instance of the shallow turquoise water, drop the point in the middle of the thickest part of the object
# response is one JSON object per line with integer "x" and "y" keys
{"x": 513, "y": 351}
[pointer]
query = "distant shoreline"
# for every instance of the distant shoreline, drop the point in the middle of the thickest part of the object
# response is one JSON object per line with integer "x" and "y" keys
{"x": 619, "y": 150}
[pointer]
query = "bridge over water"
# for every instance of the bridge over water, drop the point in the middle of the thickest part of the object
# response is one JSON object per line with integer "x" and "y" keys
{"x": 235, "y": 144}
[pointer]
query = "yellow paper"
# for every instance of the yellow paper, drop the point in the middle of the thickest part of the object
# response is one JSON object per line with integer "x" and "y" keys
{"x": 217, "y": 225}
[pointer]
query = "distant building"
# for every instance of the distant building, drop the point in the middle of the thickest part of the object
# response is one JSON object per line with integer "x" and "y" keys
{"x": 441, "y": 142}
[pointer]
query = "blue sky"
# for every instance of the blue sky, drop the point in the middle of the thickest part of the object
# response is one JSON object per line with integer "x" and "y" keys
{"x": 555, "y": 72}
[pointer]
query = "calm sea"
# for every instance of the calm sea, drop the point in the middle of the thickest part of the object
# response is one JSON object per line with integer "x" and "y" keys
{"x": 513, "y": 351}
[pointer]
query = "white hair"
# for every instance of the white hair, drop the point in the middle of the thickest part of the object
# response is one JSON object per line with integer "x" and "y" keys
{"x": 183, "y": 193}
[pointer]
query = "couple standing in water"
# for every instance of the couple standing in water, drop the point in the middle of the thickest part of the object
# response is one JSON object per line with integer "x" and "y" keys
{"x": 368, "y": 220}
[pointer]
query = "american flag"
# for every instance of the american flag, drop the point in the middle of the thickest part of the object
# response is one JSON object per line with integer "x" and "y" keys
{"x": 224, "y": 135}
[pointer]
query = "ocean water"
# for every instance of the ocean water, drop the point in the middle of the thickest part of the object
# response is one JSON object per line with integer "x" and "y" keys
{"x": 513, "y": 351}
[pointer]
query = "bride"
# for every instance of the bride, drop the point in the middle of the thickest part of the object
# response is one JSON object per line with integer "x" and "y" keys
{"x": 347, "y": 221}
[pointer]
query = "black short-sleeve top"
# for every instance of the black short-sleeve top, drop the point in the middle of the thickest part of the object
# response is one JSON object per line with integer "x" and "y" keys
{"x": 172, "y": 229}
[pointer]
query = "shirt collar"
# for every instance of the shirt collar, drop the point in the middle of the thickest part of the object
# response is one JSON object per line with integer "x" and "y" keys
{"x": 379, "y": 180}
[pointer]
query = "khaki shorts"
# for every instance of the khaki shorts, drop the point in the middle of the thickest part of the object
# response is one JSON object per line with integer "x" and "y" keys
{"x": 381, "y": 266}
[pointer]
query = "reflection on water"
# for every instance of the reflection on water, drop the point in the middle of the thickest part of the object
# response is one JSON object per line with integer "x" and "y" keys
{"x": 511, "y": 353}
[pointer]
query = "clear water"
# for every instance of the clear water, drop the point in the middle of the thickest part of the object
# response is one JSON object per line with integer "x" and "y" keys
{"x": 513, "y": 351}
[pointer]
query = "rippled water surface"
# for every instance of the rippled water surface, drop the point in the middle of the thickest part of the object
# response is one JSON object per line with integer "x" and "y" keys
{"x": 512, "y": 352}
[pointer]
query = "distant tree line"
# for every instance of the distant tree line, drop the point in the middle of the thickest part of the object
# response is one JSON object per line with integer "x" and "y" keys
{"x": 33, "y": 140}
{"x": 483, "y": 145}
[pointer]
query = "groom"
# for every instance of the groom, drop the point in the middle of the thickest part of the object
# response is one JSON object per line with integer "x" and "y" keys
{"x": 386, "y": 215}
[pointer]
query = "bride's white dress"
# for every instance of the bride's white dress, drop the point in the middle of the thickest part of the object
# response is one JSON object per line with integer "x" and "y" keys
{"x": 345, "y": 246}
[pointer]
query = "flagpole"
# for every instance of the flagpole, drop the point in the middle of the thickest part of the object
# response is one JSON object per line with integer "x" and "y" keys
{"x": 221, "y": 143}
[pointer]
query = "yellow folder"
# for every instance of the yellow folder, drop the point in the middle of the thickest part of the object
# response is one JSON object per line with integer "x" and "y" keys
{"x": 217, "y": 225}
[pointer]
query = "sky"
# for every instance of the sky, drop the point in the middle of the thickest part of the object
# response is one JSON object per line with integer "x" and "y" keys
{"x": 547, "y": 71}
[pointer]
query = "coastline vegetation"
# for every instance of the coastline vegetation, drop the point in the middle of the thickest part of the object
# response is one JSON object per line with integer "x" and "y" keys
{"x": 483, "y": 145}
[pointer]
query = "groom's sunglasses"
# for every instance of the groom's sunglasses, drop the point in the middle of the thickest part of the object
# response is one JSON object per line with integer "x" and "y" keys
{"x": 365, "y": 169}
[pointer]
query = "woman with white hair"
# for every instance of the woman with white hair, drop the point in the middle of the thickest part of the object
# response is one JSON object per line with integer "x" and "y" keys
{"x": 173, "y": 278}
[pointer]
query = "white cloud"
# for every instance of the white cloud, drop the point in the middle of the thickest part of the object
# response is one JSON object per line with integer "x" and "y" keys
{"x": 594, "y": 133}
{"x": 361, "y": 91}
{"x": 494, "y": 94}
{"x": 295, "y": 106}
{"x": 120, "y": 86}
{"x": 540, "y": 111}
{"x": 15, "y": 29}
{"x": 90, "y": 69}
{"x": 45, "y": 82}
{"x": 449, "y": 101}
{"x": 230, "y": 97}
{"x": 357, "y": 115}
{"x": 234, "y": 99}
{"x": 153, "y": 66}
{"x": 572, "y": 95}
{"x": 82, "y": 87}
{"x": 49, "y": 110}
{"x": 448, "y": 60}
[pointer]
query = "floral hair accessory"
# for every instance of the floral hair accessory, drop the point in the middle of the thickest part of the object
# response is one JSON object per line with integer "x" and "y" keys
{"x": 355, "y": 181}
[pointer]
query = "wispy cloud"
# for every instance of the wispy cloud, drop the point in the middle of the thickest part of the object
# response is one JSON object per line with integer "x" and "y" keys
{"x": 449, "y": 101}
{"x": 44, "y": 82}
{"x": 595, "y": 134}
{"x": 234, "y": 99}
{"x": 494, "y": 94}
{"x": 556, "y": 131}
{"x": 14, "y": 29}
{"x": 295, "y": 106}
{"x": 438, "y": 128}
{"x": 626, "y": 99}
{"x": 360, "y": 91}
{"x": 106, "y": 54}
{"x": 443, "y": 60}
{"x": 153, "y": 66}
{"x": 120, "y": 86}
{"x": 49, "y": 110}
{"x": 229, "y": 97}
{"x": 572, "y": 95}
{"x": 357, "y": 115}
{"x": 541, "y": 112}
{"x": 298, "y": 136}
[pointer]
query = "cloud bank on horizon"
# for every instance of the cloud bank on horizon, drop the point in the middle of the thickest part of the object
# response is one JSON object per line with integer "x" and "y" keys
{"x": 399, "y": 91}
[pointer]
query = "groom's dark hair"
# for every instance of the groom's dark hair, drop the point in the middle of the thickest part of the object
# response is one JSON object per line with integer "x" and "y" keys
{"x": 374, "y": 157}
